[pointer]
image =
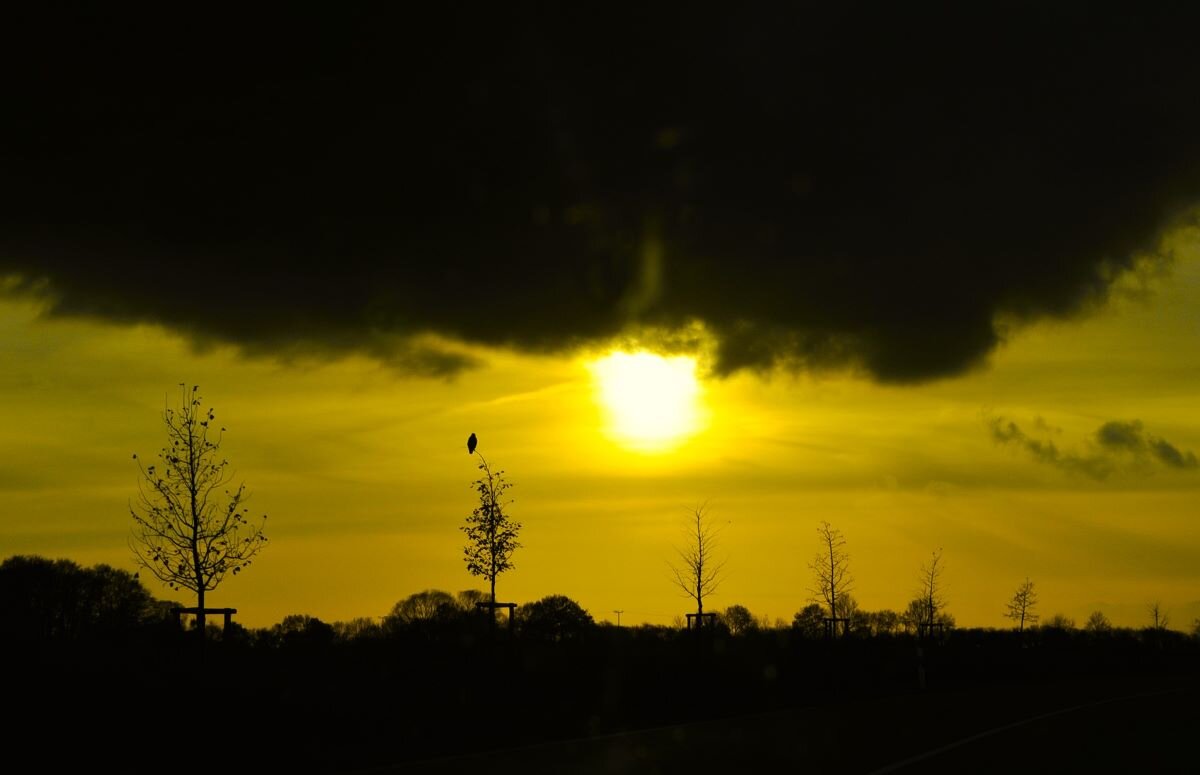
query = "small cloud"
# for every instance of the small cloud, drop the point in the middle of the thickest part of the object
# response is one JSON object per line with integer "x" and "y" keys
{"x": 1170, "y": 455}
{"x": 1121, "y": 435}
{"x": 1119, "y": 446}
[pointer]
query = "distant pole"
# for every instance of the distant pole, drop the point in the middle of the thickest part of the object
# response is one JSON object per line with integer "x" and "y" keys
{"x": 618, "y": 613}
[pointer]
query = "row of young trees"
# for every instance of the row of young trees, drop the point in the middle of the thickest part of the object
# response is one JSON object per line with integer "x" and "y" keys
{"x": 192, "y": 529}
{"x": 833, "y": 609}
{"x": 698, "y": 573}
{"x": 1022, "y": 610}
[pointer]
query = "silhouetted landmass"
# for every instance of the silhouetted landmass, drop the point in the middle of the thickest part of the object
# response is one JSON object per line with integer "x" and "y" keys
{"x": 102, "y": 666}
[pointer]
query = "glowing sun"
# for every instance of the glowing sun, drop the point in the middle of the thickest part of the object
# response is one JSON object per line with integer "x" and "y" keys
{"x": 652, "y": 401}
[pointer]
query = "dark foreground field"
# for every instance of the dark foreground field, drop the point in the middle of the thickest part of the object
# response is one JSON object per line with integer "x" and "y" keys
{"x": 1118, "y": 726}
{"x": 614, "y": 701}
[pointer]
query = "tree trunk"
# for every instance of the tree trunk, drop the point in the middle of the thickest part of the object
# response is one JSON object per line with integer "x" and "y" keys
{"x": 200, "y": 613}
{"x": 833, "y": 612}
{"x": 492, "y": 608}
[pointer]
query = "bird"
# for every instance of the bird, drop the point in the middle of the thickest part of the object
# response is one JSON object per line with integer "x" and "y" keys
{"x": 471, "y": 442}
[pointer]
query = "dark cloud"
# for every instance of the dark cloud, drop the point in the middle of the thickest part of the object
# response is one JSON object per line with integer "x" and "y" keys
{"x": 1130, "y": 437}
{"x": 1170, "y": 455}
{"x": 1122, "y": 435}
{"x": 1095, "y": 466}
{"x": 817, "y": 184}
{"x": 1120, "y": 447}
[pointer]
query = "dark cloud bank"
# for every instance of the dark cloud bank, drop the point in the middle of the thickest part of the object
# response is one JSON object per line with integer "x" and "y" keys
{"x": 1117, "y": 447}
{"x": 817, "y": 185}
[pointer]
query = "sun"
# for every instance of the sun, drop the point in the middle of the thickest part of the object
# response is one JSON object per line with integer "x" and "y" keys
{"x": 652, "y": 401}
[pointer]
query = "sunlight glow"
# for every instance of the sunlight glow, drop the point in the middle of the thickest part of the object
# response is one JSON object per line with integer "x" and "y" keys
{"x": 652, "y": 401}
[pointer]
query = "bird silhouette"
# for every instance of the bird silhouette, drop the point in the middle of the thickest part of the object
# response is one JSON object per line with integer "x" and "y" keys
{"x": 471, "y": 442}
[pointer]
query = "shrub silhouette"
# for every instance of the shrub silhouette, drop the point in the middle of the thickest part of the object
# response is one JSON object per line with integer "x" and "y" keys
{"x": 555, "y": 618}
{"x": 42, "y": 599}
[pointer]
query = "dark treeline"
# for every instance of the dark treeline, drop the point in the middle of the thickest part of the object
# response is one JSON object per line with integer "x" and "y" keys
{"x": 93, "y": 656}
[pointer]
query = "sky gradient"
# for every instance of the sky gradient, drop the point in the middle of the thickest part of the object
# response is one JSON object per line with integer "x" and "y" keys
{"x": 365, "y": 477}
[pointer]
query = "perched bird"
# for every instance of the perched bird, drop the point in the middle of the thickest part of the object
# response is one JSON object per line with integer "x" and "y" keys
{"x": 471, "y": 442}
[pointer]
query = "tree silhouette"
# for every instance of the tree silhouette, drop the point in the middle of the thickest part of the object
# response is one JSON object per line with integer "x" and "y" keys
{"x": 1020, "y": 608}
{"x": 884, "y": 622}
{"x": 302, "y": 631}
{"x": 698, "y": 572}
{"x": 468, "y": 598}
{"x": 43, "y": 599}
{"x": 421, "y": 608}
{"x": 1097, "y": 623}
{"x": 931, "y": 597}
{"x": 810, "y": 621}
{"x": 555, "y": 618}
{"x": 1158, "y": 616}
{"x": 831, "y": 568}
{"x": 854, "y": 618}
{"x": 491, "y": 533}
{"x": 739, "y": 620}
{"x": 190, "y": 531}
{"x": 1059, "y": 622}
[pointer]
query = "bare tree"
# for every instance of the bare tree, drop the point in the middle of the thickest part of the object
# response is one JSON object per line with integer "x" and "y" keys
{"x": 190, "y": 529}
{"x": 1020, "y": 608}
{"x": 1158, "y": 616}
{"x": 698, "y": 573}
{"x": 931, "y": 595}
{"x": 831, "y": 569}
{"x": 491, "y": 533}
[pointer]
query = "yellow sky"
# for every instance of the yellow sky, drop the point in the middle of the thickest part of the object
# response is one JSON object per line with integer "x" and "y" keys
{"x": 366, "y": 480}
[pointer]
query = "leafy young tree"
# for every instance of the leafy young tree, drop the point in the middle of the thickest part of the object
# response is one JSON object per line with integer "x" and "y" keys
{"x": 491, "y": 533}
{"x": 831, "y": 569}
{"x": 190, "y": 531}
{"x": 1020, "y": 608}
{"x": 698, "y": 572}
